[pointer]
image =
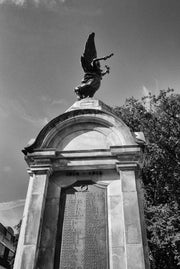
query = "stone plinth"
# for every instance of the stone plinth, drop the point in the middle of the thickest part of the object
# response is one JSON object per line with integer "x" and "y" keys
{"x": 82, "y": 208}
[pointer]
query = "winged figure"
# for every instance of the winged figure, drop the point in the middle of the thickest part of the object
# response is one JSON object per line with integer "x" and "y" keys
{"x": 92, "y": 69}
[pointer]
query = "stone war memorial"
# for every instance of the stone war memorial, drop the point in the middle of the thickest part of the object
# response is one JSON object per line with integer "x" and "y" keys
{"x": 84, "y": 204}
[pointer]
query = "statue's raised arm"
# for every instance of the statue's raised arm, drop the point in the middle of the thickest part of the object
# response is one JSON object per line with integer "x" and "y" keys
{"x": 91, "y": 66}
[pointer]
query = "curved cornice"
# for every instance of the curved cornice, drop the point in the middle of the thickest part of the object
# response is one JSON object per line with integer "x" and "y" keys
{"x": 76, "y": 116}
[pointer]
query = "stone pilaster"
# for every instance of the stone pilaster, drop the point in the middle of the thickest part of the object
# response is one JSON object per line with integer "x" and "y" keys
{"x": 27, "y": 250}
{"x": 133, "y": 241}
{"x": 117, "y": 255}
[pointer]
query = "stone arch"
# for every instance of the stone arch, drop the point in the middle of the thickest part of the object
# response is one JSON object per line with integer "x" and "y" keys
{"x": 83, "y": 129}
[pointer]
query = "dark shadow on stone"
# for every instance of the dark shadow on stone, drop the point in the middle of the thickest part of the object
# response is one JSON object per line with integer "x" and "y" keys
{"x": 59, "y": 229}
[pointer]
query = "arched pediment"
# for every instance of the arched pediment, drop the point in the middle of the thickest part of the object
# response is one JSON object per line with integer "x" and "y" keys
{"x": 84, "y": 128}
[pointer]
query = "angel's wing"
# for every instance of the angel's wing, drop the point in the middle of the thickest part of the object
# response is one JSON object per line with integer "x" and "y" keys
{"x": 89, "y": 54}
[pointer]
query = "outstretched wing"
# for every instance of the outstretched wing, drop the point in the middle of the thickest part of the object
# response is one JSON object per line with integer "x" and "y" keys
{"x": 89, "y": 54}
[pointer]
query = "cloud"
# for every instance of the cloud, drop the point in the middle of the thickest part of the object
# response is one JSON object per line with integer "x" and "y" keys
{"x": 4, "y": 206}
{"x": 46, "y": 98}
{"x": 61, "y": 6}
{"x": 16, "y": 2}
{"x": 35, "y": 2}
{"x": 58, "y": 102}
{"x": 7, "y": 169}
{"x": 35, "y": 121}
{"x": 11, "y": 212}
{"x": 47, "y": 3}
{"x": 10, "y": 107}
{"x": 3, "y": 112}
{"x": 50, "y": 101}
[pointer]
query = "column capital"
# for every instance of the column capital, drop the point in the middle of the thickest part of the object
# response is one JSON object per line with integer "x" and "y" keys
{"x": 40, "y": 170}
{"x": 126, "y": 166}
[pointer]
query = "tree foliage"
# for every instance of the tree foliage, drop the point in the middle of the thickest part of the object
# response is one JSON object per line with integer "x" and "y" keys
{"x": 158, "y": 117}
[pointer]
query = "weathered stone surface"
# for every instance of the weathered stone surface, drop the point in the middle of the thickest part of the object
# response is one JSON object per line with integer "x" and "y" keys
{"x": 33, "y": 219}
{"x": 85, "y": 139}
{"x": 128, "y": 181}
{"x": 140, "y": 192}
{"x": 49, "y": 226}
{"x": 39, "y": 183}
{"x": 31, "y": 225}
{"x": 28, "y": 257}
{"x": 135, "y": 257}
{"x": 131, "y": 218}
{"x": 19, "y": 251}
{"x": 46, "y": 258}
{"x": 116, "y": 225}
{"x": 117, "y": 236}
{"x": 118, "y": 258}
{"x": 53, "y": 190}
{"x": 114, "y": 186}
{"x": 90, "y": 103}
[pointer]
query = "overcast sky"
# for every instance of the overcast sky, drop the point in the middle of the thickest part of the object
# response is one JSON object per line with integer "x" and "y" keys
{"x": 41, "y": 42}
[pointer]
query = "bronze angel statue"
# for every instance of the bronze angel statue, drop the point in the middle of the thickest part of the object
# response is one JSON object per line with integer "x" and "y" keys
{"x": 92, "y": 69}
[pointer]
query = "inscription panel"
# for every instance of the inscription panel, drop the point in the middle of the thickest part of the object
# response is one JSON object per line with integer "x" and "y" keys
{"x": 84, "y": 229}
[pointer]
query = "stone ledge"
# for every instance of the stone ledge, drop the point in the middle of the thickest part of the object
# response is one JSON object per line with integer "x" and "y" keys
{"x": 90, "y": 103}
